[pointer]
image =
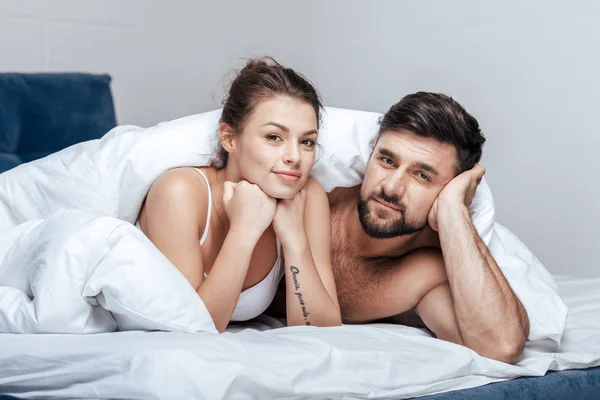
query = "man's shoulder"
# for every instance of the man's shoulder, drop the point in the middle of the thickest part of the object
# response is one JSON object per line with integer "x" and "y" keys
{"x": 342, "y": 194}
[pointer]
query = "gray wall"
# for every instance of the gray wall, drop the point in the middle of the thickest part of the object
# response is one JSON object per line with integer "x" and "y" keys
{"x": 167, "y": 58}
{"x": 528, "y": 70}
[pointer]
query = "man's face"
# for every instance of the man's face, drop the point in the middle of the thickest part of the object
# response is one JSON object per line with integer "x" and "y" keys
{"x": 404, "y": 176}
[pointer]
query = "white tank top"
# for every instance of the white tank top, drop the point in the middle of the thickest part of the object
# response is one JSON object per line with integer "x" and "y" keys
{"x": 256, "y": 299}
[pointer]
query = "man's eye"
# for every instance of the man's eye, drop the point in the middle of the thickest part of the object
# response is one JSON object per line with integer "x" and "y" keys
{"x": 273, "y": 138}
{"x": 387, "y": 161}
{"x": 424, "y": 177}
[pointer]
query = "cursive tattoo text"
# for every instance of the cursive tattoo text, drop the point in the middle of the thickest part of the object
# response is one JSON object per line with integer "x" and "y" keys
{"x": 295, "y": 272}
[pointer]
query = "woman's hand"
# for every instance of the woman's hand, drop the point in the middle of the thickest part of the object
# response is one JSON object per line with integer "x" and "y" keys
{"x": 288, "y": 222}
{"x": 249, "y": 209}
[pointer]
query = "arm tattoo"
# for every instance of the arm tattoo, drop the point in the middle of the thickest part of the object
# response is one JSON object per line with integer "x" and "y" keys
{"x": 295, "y": 271}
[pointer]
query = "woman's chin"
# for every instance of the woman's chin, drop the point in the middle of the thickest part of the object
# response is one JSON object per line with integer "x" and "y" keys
{"x": 280, "y": 193}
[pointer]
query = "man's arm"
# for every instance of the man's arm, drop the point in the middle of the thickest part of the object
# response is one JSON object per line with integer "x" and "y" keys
{"x": 490, "y": 317}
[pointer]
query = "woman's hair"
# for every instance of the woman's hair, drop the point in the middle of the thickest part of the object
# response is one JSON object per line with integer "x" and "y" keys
{"x": 260, "y": 79}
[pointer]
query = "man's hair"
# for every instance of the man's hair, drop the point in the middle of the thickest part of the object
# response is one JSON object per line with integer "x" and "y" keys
{"x": 440, "y": 117}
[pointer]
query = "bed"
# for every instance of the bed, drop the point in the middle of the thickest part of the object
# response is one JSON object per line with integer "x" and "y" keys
{"x": 263, "y": 358}
{"x": 370, "y": 361}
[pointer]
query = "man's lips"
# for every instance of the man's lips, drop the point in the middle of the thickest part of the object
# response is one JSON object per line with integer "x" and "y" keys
{"x": 388, "y": 205}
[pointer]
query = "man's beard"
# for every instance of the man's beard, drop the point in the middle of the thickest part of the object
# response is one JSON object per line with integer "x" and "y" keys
{"x": 399, "y": 226}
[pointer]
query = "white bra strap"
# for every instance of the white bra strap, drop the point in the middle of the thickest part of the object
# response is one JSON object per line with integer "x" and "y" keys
{"x": 205, "y": 234}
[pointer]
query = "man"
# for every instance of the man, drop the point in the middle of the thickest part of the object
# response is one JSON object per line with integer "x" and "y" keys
{"x": 405, "y": 247}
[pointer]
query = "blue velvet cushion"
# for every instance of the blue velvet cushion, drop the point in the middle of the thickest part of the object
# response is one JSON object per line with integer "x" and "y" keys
{"x": 43, "y": 113}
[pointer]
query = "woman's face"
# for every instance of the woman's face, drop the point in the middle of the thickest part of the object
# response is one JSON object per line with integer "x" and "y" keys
{"x": 277, "y": 147}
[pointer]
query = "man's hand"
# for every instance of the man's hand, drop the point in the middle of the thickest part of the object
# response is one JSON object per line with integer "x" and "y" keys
{"x": 458, "y": 192}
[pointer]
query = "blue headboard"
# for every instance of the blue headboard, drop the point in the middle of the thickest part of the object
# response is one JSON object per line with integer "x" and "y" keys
{"x": 41, "y": 113}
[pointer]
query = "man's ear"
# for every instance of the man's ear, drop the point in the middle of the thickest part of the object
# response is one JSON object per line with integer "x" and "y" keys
{"x": 373, "y": 143}
{"x": 226, "y": 137}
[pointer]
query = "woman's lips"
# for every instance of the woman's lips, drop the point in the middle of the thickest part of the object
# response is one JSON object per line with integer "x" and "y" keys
{"x": 287, "y": 177}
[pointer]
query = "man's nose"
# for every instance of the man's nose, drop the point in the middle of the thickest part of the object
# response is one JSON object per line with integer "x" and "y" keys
{"x": 396, "y": 183}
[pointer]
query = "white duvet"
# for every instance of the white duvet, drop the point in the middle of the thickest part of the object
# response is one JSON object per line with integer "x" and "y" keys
{"x": 78, "y": 272}
{"x": 72, "y": 262}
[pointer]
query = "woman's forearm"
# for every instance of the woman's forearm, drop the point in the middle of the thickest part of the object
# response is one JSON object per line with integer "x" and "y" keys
{"x": 221, "y": 289}
{"x": 308, "y": 302}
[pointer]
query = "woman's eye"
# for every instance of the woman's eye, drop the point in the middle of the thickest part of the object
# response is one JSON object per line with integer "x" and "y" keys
{"x": 308, "y": 142}
{"x": 273, "y": 138}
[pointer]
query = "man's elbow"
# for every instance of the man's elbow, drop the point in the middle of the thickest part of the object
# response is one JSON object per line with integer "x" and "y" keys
{"x": 508, "y": 347}
{"x": 509, "y": 352}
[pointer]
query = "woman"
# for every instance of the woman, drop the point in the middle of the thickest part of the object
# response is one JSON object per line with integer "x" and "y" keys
{"x": 227, "y": 227}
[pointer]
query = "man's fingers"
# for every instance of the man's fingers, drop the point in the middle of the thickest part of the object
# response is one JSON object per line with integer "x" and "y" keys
{"x": 479, "y": 170}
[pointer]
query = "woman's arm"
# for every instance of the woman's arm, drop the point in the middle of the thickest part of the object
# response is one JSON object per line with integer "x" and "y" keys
{"x": 173, "y": 218}
{"x": 304, "y": 232}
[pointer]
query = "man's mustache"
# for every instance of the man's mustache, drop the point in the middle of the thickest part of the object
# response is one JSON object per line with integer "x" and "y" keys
{"x": 394, "y": 200}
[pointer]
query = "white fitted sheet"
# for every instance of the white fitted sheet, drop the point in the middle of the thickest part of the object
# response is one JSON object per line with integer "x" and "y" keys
{"x": 255, "y": 361}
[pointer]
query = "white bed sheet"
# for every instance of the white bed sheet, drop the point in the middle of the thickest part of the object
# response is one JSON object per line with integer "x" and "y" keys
{"x": 253, "y": 361}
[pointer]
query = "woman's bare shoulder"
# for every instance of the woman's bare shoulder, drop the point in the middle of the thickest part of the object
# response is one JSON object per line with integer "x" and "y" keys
{"x": 181, "y": 182}
{"x": 180, "y": 190}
